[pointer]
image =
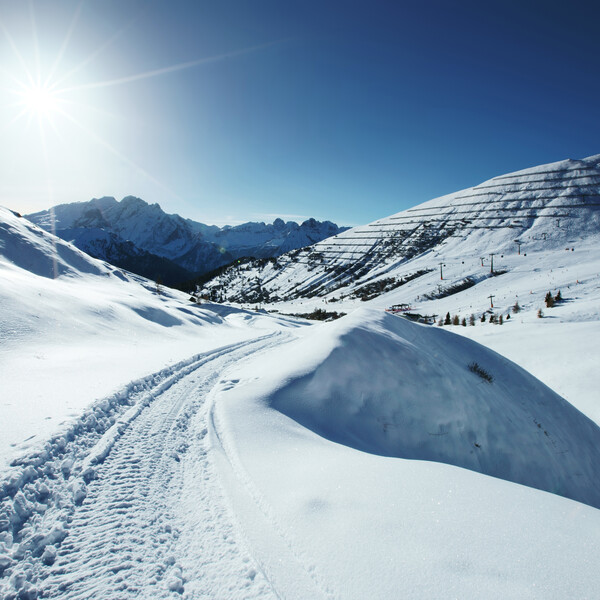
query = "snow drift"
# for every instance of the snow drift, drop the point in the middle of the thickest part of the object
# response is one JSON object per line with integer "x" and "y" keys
{"x": 327, "y": 520}
{"x": 385, "y": 385}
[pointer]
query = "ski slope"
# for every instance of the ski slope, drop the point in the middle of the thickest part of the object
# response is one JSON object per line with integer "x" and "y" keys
{"x": 546, "y": 208}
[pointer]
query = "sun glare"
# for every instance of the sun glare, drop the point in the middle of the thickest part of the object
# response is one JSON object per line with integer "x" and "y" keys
{"x": 39, "y": 100}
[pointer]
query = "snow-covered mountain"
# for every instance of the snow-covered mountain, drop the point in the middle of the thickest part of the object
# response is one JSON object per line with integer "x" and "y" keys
{"x": 193, "y": 246}
{"x": 458, "y": 240}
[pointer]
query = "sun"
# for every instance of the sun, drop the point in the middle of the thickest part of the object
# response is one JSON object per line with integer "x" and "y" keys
{"x": 39, "y": 100}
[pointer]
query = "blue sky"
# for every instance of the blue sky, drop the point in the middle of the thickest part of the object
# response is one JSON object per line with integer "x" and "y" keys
{"x": 232, "y": 111}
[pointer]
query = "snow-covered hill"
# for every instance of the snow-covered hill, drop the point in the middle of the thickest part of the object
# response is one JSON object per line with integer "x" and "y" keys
{"x": 74, "y": 329}
{"x": 466, "y": 237}
{"x": 359, "y": 454}
{"x": 390, "y": 387}
{"x": 193, "y": 246}
{"x": 436, "y": 259}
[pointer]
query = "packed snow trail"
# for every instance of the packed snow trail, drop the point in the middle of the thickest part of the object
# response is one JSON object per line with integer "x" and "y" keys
{"x": 154, "y": 522}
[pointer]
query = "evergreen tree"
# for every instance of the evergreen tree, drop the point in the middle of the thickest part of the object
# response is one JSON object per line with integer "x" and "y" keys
{"x": 472, "y": 320}
{"x": 549, "y": 300}
{"x": 464, "y": 322}
{"x": 447, "y": 320}
{"x": 500, "y": 320}
{"x": 516, "y": 308}
{"x": 455, "y": 320}
{"x": 482, "y": 318}
{"x": 558, "y": 297}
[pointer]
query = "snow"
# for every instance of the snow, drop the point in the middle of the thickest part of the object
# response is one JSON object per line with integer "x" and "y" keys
{"x": 152, "y": 447}
{"x": 363, "y": 525}
{"x": 87, "y": 333}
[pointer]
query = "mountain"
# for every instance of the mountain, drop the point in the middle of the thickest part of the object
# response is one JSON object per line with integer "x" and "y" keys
{"x": 108, "y": 246}
{"x": 131, "y": 232}
{"x": 440, "y": 247}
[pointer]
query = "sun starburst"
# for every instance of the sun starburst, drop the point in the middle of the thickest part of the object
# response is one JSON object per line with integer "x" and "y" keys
{"x": 39, "y": 100}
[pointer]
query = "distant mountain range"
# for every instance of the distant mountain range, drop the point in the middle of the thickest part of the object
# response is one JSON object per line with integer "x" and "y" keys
{"x": 142, "y": 238}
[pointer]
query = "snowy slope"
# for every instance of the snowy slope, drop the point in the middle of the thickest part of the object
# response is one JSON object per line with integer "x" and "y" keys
{"x": 553, "y": 210}
{"x": 308, "y": 432}
{"x": 545, "y": 209}
{"x": 191, "y": 245}
{"x": 75, "y": 329}
{"x": 386, "y": 386}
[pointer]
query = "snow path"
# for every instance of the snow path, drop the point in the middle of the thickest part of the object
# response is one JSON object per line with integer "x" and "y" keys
{"x": 154, "y": 522}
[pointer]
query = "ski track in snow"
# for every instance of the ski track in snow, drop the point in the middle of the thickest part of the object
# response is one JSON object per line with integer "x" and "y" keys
{"x": 152, "y": 521}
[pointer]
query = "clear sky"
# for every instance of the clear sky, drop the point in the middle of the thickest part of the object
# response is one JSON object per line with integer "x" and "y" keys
{"x": 228, "y": 111}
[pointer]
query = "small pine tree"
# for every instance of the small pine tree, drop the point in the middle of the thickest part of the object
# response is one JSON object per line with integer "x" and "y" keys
{"x": 558, "y": 297}
{"x": 482, "y": 318}
{"x": 516, "y": 308}
{"x": 492, "y": 318}
{"x": 508, "y": 316}
{"x": 455, "y": 320}
{"x": 540, "y": 313}
{"x": 472, "y": 320}
{"x": 447, "y": 320}
{"x": 464, "y": 322}
{"x": 549, "y": 300}
{"x": 500, "y": 320}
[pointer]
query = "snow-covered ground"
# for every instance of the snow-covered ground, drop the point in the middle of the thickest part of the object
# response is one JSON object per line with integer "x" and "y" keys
{"x": 84, "y": 335}
{"x": 308, "y": 441}
{"x": 155, "y": 448}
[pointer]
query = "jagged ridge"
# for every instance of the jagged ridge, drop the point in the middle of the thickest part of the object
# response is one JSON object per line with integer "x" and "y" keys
{"x": 193, "y": 246}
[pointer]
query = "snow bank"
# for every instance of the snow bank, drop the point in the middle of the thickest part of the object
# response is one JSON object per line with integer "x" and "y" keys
{"x": 387, "y": 386}
{"x": 302, "y": 432}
